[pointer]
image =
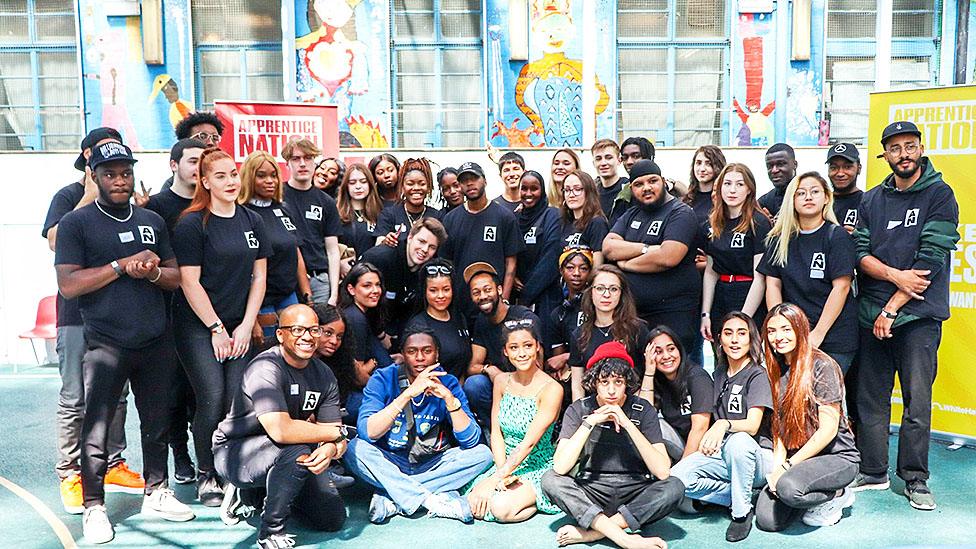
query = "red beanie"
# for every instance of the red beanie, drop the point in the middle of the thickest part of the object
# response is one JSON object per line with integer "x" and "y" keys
{"x": 610, "y": 349}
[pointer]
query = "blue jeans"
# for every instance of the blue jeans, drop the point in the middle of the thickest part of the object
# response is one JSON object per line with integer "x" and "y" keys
{"x": 354, "y": 401}
{"x": 409, "y": 485}
{"x": 269, "y": 331}
{"x": 478, "y": 390}
{"x": 729, "y": 478}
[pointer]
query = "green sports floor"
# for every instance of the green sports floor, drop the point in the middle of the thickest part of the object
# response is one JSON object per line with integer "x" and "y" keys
{"x": 28, "y": 452}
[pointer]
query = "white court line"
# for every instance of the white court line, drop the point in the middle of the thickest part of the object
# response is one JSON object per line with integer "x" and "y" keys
{"x": 29, "y": 376}
{"x": 60, "y": 530}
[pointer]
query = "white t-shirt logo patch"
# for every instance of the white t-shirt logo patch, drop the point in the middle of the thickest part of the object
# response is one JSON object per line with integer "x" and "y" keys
{"x": 686, "y": 406}
{"x": 314, "y": 212}
{"x": 126, "y": 237}
{"x": 735, "y": 404}
{"x": 635, "y": 225}
{"x": 288, "y": 224}
{"x": 530, "y": 236}
{"x": 147, "y": 234}
{"x": 850, "y": 219}
{"x": 572, "y": 241}
{"x": 579, "y": 319}
{"x": 817, "y": 265}
{"x": 738, "y": 240}
{"x": 911, "y": 217}
{"x": 654, "y": 228}
{"x": 311, "y": 400}
{"x": 252, "y": 241}
{"x": 490, "y": 232}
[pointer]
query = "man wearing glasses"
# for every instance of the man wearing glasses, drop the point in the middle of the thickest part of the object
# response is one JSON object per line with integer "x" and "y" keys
{"x": 282, "y": 432}
{"x": 906, "y": 231}
{"x": 203, "y": 125}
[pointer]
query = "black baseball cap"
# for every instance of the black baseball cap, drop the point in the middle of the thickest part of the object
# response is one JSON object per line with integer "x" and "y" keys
{"x": 470, "y": 167}
{"x": 90, "y": 140}
{"x": 110, "y": 152}
{"x": 898, "y": 128}
{"x": 844, "y": 150}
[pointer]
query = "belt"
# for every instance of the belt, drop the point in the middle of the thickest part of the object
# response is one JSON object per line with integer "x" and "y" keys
{"x": 317, "y": 272}
{"x": 734, "y": 278}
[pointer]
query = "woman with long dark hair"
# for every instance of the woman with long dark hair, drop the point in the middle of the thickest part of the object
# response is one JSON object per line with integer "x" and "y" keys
{"x": 734, "y": 248}
{"x": 814, "y": 456}
{"x": 222, "y": 250}
{"x": 386, "y": 169}
{"x": 440, "y": 316}
{"x": 363, "y": 302}
{"x": 609, "y": 314}
{"x": 706, "y": 165}
{"x": 536, "y": 273}
{"x": 415, "y": 183}
{"x": 359, "y": 206}
{"x": 583, "y": 221}
{"x": 338, "y": 357}
{"x": 735, "y": 454}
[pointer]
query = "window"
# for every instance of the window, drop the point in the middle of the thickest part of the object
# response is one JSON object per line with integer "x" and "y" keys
{"x": 438, "y": 93}
{"x": 39, "y": 100}
{"x": 672, "y": 71}
{"x": 237, "y": 50}
{"x": 851, "y": 58}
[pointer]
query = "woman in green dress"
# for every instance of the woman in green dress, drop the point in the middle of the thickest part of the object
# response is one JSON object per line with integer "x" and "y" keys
{"x": 525, "y": 404}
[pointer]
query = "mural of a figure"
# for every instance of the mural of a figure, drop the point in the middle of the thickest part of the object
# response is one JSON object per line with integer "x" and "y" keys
{"x": 334, "y": 61}
{"x": 178, "y": 108}
{"x": 756, "y": 130}
{"x": 111, "y": 76}
{"x": 549, "y": 90}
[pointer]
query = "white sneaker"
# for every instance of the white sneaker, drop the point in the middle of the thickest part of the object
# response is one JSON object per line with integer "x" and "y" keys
{"x": 446, "y": 505}
{"x": 830, "y": 512}
{"x": 96, "y": 526}
{"x": 162, "y": 503}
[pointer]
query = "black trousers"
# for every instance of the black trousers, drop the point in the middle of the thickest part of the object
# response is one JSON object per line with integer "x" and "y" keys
{"x": 912, "y": 352}
{"x": 149, "y": 371}
{"x": 181, "y": 411}
{"x": 804, "y": 486}
{"x": 258, "y": 465}
{"x": 639, "y": 501}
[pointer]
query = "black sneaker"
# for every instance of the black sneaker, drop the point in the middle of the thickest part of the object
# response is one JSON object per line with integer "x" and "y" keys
{"x": 209, "y": 491}
{"x": 183, "y": 470}
{"x": 869, "y": 482}
{"x": 739, "y": 528}
{"x": 919, "y": 495}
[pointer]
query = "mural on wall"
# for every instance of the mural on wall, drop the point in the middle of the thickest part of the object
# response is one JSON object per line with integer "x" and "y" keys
{"x": 752, "y": 88}
{"x": 540, "y": 103}
{"x": 120, "y": 89}
{"x": 804, "y": 89}
{"x": 341, "y": 56}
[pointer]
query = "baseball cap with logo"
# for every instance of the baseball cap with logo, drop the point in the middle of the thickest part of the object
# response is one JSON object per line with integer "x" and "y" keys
{"x": 92, "y": 139}
{"x": 110, "y": 152}
{"x": 844, "y": 150}
{"x": 470, "y": 167}
{"x": 898, "y": 128}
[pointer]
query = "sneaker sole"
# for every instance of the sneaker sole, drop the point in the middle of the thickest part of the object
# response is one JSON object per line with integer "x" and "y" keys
{"x": 917, "y": 505}
{"x": 169, "y": 516}
{"x": 72, "y": 510}
{"x": 876, "y": 486}
{"x": 184, "y": 480}
{"x": 99, "y": 541}
{"x": 119, "y": 489}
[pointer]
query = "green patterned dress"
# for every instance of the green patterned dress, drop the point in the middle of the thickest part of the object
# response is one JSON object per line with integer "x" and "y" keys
{"x": 515, "y": 414}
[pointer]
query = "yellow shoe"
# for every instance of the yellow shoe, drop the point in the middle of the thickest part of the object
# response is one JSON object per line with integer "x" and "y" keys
{"x": 71, "y": 496}
{"x": 122, "y": 479}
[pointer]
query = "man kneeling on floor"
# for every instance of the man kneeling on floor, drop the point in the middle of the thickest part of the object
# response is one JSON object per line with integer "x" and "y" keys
{"x": 418, "y": 441}
{"x": 282, "y": 432}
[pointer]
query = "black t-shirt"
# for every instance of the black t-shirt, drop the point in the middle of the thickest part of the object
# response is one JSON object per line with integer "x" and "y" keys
{"x": 678, "y": 288}
{"x": 365, "y": 340}
{"x": 815, "y": 260}
{"x": 169, "y": 206}
{"x": 489, "y": 335}
{"x": 592, "y": 236}
{"x": 828, "y": 388}
{"x": 315, "y": 216}
{"x": 607, "y": 194}
{"x": 702, "y": 205}
{"x": 699, "y": 399}
{"x": 748, "y": 388}
{"x": 613, "y": 451}
{"x": 845, "y": 207}
{"x": 635, "y": 348}
{"x": 64, "y": 201}
{"x": 128, "y": 313}
{"x": 282, "y": 236}
{"x": 225, "y": 249}
{"x": 733, "y": 252}
{"x": 454, "y": 340}
{"x": 563, "y": 321}
{"x": 490, "y": 235}
{"x": 271, "y": 385}
{"x": 401, "y": 285}
{"x": 395, "y": 219}
{"x": 773, "y": 200}
{"x": 510, "y": 206}
{"x": 358, "y": 235}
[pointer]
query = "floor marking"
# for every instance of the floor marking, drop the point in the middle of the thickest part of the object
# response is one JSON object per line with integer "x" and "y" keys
{"x": 60, "y": 530}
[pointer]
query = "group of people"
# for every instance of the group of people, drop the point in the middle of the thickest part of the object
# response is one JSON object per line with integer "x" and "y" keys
{"x": 491, "y": 359}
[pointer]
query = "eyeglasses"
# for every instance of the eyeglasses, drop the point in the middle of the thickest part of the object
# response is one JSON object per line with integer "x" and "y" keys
{"x": 299, "y": 331}
{"x": 803, "y": 193}
{"x": 438, "y": 270}
{"x": 573, "y": 191}
{"x": 204, "y": 136}
{"x": 910, "y": 148}
{"x": 604, "y": 290}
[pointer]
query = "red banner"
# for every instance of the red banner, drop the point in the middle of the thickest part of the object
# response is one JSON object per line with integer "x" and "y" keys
{"x": 267, "y": 126}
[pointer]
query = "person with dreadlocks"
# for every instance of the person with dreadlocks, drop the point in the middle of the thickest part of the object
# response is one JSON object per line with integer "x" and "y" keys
{"x": 415, "y": 184}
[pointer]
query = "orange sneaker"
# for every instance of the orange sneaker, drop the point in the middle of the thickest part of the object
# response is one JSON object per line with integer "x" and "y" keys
{"x": 71, "y": 496}
{"x": 122, "y": 479}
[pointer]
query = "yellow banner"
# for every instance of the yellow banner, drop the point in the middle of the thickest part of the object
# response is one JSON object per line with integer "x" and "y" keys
{"x": 946, "y": 117}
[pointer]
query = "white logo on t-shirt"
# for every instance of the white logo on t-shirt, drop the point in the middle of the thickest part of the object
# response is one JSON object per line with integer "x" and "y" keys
{"x": 147, "y": 234}
{"x": 817, "y": 265}
{"x": 579, "y": 319}
{"x": 278, "y": 212}
{"x": 635, "y": 224}
{"x": 911, "y": 217}
{"x": 738, "y": 240}
{"x": 735, "y": 404}
{"x": 126, "y": 237}
{"x": 686, "y": 406}
{"x": 287, "y": 223}
{"x": 850, "y": 219}
{"x": 314, "y": 212}
{"x": 654, "y": 228}
{"x": 490, "y": 231}
{"x": 252, "y": 241}
{"x": 530, "y": 236}
{"x": 311, "y": 401}
{"x": 572, "y": 241}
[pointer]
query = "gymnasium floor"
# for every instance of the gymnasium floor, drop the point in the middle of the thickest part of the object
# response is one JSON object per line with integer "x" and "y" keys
{"x": 32, "y": 517}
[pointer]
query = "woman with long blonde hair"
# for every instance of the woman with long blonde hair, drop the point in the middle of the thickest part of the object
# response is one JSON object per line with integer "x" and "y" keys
{"x": 564, "y": 161}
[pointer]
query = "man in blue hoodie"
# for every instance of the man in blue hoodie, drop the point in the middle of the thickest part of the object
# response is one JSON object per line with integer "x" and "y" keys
{"x": 418, "y": 441}
{"x": 906, "y": 229}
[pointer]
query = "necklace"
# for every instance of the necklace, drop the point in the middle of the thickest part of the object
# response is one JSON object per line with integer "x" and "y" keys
{"x": 359, "y": 215}
{"x": 128, "y": 217}
{"x": 422, "y": 397}
{"x": 413, "y": 219}
{"x": 605, "y": 331}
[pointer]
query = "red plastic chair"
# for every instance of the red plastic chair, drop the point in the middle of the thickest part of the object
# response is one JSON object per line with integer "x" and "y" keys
{"x": 45, "y": 327}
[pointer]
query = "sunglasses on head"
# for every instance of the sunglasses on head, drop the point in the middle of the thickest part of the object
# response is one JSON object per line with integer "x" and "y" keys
{"x": 438, "y": 270}
{"x": 521, "y": 323}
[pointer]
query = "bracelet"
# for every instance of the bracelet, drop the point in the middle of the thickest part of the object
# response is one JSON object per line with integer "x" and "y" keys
{"x": 586, "y": 424}
{"x": 454, "y": 410}
{"x": 159, "y": 274}
{"x": 484, "y": 367}
{"x": 117, "y": 268}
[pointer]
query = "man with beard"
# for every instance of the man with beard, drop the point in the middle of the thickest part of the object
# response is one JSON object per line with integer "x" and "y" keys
{"x": 843, "y": 167}
{"x": 781, "y": 168}
{"x": 652, "y": 244}
{"x": 116, "y": 258}
{"x": 481, "y": 230}
{"x": 511, "y": 166}
{"x": 906, "y": 231}
{"x": 487, "y": 360}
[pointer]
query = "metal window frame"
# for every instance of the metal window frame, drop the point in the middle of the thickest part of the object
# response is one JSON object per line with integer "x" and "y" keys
{"x": 241, "y": 48}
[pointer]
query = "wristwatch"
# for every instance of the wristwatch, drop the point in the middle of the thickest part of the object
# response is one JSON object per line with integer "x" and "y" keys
{"x": 117, "y": 268}
{"x": 645, "y": 248}
{"x": 216, "y": 327}
{"x": 343, "y": 434}
{"x": 890, "y": 316}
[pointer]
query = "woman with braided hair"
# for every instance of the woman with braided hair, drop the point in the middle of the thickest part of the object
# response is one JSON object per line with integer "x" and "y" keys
{"x": 415, "y": 184}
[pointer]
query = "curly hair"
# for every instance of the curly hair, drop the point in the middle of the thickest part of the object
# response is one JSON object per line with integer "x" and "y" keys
{"x": 195, "y": 119}
{"x": 607, "y": 368}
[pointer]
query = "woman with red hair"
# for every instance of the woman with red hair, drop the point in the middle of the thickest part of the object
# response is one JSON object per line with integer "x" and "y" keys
{"x": 814, "y": 457}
